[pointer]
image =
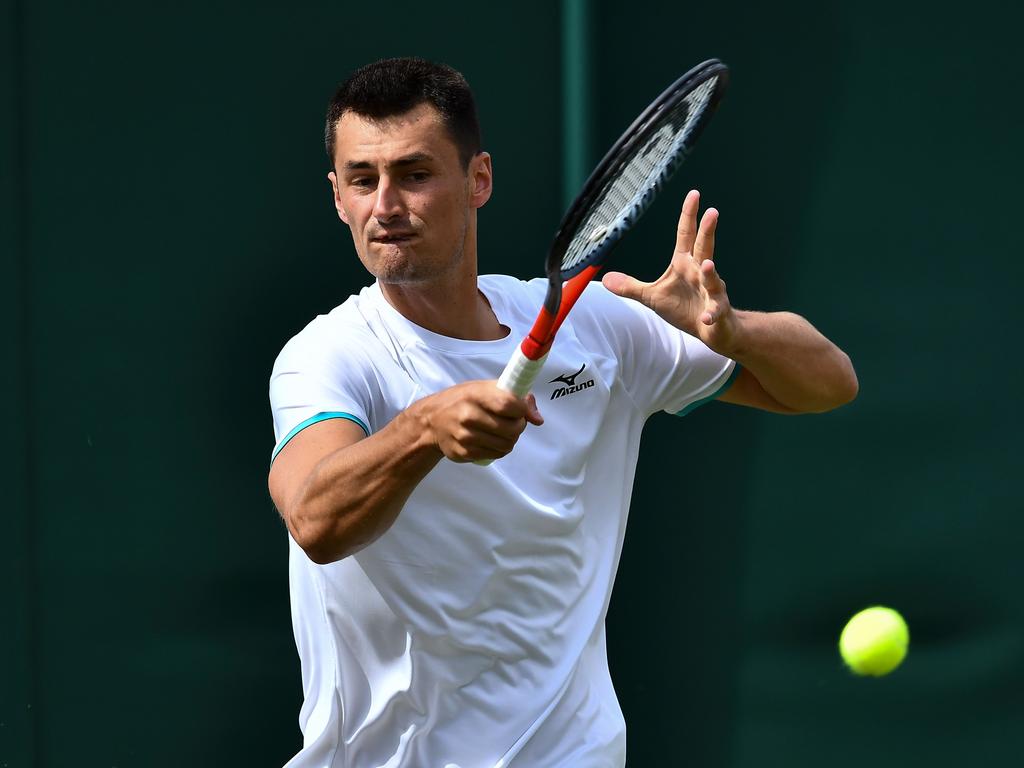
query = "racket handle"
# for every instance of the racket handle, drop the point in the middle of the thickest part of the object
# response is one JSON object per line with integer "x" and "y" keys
{"x": 517, "y": 378}
{"x": 520, "y": 373}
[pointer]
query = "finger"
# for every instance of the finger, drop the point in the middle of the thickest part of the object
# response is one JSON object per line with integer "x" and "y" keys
{"x": 503, "y": 404}
{"x": 469, "y": 444}
{"x": 713, "y": 282}
{"x": 686, "y": 230}
{"x": 476, "y": 450}
{"x": 499, "y": 444}
{"x": 626, "y": 286}
{"x": 485, "y": 422}
{"x": 533, "y": 414}
{"x": 704, "y": 246}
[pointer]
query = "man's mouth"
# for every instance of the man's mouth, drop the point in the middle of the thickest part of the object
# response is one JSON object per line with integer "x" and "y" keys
{"x": 396, "y": 237}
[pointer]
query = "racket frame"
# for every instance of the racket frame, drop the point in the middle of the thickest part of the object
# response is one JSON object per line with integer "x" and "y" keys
{"x": 566, "y": 286}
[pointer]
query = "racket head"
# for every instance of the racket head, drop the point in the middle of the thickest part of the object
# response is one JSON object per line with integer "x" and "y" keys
{"x": 630, "y": 175}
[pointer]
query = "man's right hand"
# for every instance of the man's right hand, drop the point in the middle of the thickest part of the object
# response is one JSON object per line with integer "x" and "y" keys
{"x": 475, "y": 420}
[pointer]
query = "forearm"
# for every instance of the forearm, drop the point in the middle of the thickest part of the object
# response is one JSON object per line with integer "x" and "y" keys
{"x": 795, "y": 364}
{"x": 355, "y": 493}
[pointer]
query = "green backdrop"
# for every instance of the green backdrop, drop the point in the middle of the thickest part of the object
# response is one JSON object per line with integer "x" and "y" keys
{"x": 165, "y": 225}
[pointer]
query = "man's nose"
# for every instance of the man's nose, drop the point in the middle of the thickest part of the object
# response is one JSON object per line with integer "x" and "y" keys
{"x": 388, "y": 203}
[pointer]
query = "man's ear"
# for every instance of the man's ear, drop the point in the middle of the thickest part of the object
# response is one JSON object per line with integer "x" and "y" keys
{"x": 481, "y": 179}
{"x": 337, "y": 197}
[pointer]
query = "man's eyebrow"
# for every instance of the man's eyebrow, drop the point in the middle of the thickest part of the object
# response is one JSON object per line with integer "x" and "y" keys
{"x": 413, "y": 159}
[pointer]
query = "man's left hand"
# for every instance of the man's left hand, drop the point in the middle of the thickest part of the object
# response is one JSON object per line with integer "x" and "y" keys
{"x": 690, "y": 294}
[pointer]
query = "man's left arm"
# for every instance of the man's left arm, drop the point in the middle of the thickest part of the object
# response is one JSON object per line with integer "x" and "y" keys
{"x": 787, "y": 365}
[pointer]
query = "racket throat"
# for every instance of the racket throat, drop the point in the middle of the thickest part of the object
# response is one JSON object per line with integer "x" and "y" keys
{"x": 533, "y": 349}
{"x": 538, "y": 340}
{"x": 559, "y": 300}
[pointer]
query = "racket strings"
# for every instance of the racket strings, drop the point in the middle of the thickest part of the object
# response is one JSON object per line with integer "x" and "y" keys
{"x": 627, "y": 193}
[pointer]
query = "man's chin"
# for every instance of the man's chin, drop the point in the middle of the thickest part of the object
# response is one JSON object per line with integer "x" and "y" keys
{"x": 399, "y": 263}
{"x": 394, "y": 268}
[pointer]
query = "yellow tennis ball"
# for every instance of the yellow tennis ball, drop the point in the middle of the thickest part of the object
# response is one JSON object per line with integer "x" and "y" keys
{"x": 874, "y": 642}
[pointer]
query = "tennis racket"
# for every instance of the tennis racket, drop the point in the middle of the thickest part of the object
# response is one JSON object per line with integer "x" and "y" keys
{"x": 620, "y": 189}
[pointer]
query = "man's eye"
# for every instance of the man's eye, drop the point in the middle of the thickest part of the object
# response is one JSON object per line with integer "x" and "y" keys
{"x": 362, "y": 181}
{"x": 419, "y": 176}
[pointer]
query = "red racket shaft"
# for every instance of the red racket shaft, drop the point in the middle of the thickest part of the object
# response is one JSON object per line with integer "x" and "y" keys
{"x": 537, "y": 343}
{"x": 528, "y": 359}
{"x": 522, "y": 369}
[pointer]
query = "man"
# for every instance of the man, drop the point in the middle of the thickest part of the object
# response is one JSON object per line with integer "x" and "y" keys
{"x": 451, "y": 614}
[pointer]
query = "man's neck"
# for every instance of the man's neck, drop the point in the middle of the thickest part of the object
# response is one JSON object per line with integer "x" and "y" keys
{"x": 455, "y": 308}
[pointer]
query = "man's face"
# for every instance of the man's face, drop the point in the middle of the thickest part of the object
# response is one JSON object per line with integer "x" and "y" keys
{"x": 401, "y": 188}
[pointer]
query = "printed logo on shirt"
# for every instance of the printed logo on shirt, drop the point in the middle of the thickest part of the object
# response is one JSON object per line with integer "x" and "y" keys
{"x": 571, "y": 387}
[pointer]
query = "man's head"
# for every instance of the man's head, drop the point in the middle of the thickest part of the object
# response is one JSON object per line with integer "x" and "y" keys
{"x": 393, "y": 87}
{"x": 407, "y": 173}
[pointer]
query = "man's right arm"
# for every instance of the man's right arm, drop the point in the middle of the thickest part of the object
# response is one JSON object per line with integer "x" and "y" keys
{"x": 339, "y": 491}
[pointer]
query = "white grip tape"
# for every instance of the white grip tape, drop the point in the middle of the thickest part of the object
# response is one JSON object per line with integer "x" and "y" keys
{"x": 517, "y": 378}
{"x": 520, "y": 373}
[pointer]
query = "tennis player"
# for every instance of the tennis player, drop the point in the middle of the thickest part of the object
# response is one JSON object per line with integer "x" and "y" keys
{"x": 451, "y": 614}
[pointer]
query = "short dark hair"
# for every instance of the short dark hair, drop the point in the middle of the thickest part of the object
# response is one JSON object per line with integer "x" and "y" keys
{"x": 391, "y": 87}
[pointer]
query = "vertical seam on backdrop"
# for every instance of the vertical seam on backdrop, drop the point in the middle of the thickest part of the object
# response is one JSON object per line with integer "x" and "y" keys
{"x": 576, "y": 108}
{"x": 21, "y": 182}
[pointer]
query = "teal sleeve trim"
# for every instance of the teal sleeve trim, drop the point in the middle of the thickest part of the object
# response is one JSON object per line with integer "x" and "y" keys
{"x": 314, "y": 420}
{"x": 698, "y": 403}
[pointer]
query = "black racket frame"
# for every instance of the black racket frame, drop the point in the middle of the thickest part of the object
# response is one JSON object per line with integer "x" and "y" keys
{"x": 609, "y": 168}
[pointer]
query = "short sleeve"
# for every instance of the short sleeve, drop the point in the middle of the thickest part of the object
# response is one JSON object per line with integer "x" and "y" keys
{"x": 312, "y": 382}
{"x": 661, "y": 367}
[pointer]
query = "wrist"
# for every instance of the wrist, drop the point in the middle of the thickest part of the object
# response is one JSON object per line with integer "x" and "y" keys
{"x": 735, "y": 342}
{"x": 416, "y": 429}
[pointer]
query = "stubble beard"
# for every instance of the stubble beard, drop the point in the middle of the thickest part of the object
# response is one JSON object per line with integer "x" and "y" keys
{"x": 397, "y": 268}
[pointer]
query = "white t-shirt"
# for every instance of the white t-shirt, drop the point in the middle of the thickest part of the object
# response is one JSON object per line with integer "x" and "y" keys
{"x": 471, "y": 633}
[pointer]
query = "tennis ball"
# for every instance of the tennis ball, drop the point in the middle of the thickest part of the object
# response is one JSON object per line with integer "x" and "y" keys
{"x": 874, "y": 641}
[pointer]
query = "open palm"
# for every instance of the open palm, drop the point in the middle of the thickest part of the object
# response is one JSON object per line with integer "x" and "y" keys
{"x": 690, "y": 294}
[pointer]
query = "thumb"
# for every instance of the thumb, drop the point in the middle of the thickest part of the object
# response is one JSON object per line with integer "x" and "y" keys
{"x": 532, "y": 411}
{"x": 625, "y": 286}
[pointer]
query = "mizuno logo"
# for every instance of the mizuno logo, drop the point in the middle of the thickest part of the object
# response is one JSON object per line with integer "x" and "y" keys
{"x": 569, "y": 379}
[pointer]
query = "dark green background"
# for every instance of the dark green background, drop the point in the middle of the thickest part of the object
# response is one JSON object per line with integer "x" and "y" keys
{"x": 166, "y": 224}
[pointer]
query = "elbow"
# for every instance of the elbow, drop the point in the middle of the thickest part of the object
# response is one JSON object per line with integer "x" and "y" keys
{"x": 850, "y": 386}
{"x": 839, "y": 388}
{"x": 846, "y": 387}
{"x": 328, "y": 539}
{"x": 319, "y": 543}
{"x": 319, "y": 553}
{"x": 328, "y": 527}
{"x": 852, "y": 390}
